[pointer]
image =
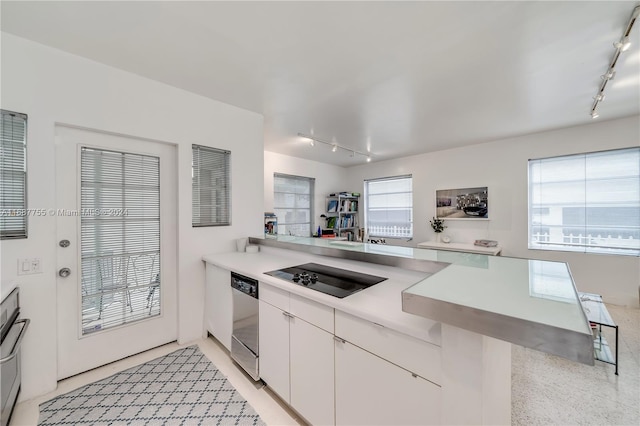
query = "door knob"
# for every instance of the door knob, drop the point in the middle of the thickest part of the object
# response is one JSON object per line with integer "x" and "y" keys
{"x": 64, "y": 272}
{"x": 64, "y": 243}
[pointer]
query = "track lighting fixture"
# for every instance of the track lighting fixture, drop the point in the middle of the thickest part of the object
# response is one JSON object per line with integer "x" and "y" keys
{"x": 335, "y": 146}
{"x": 621, "y": 46}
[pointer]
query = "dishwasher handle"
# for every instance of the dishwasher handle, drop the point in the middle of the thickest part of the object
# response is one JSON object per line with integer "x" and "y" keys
{"x": 16, "y": 346}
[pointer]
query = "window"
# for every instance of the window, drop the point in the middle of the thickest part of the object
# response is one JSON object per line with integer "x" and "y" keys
{"x": 292, "y": 204}
{"x": 586, "y": 202}
{"x": 389, "y": 207}
{"x": 13, "y": 175}
{"x": 120, "y": 234}
{"x": 211, "y": 203}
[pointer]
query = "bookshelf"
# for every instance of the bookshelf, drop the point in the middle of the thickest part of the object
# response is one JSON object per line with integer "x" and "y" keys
{"x": 342, "y": 214}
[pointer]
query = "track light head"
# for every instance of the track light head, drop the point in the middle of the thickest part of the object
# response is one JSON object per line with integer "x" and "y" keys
{"x": 609, "y": 75}
{"x": 334, "y": 148}
{"x": 594, "y": 114}
{"x": 624, "y": 44}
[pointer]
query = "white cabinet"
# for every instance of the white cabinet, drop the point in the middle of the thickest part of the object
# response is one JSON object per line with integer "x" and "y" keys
{"x": 413, "y": 354}
{"x": 312, "y": 368}
{"x": 372, "y": 391}
{"x": 218, "y": 304}
{"x": 274, "y": 349}
{"x": 296, "y": 357}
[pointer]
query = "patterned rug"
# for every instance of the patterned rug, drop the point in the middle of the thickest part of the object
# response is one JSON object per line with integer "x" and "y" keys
{"x": 182, "y": 388}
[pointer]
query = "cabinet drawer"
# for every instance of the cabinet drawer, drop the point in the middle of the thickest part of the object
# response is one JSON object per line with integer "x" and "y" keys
{"x": 274, "y": 296}
{"x": 410, "y": 353}
{"x": 314, "y": 313}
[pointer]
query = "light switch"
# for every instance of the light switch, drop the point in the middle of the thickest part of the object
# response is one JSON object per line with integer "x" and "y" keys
{"x": 27, "y": 266}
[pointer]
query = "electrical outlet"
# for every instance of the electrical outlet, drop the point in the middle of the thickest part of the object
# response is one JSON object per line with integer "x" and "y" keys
{"x": 28, "y": 266}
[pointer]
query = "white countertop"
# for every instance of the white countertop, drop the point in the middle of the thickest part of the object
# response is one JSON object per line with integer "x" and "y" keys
{"x": 381, "y": 303}
{"x": 533, "y": 303}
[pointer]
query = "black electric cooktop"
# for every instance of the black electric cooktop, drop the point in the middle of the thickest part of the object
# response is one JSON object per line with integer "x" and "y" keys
{"x": 326, "y": 279}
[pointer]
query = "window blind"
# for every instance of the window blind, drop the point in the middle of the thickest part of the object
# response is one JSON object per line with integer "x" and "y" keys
{"x": 389, "y": 207}
{"x": 292, "y": 201}
{"x": 586, "y": 202}
{"x": 120, "y": 235}
{"x": 13, "y": 173}
{"x": 211, "y": 194}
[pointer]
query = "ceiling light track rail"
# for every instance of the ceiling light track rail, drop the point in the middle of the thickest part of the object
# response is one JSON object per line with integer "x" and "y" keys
{"x": 622, "y": 45}
{"x": 335, "y": 146}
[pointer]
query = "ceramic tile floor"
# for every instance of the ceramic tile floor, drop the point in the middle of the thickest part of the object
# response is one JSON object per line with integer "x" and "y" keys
{"x": 546, "y": 390}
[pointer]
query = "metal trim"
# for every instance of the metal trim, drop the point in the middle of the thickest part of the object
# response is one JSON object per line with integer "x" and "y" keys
{"x": 419, "y": 265}
{"x": 569, "y": 344}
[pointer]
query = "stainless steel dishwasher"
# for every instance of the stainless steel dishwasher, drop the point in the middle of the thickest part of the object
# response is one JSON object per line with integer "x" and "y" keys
{"x": 244, "y": 337}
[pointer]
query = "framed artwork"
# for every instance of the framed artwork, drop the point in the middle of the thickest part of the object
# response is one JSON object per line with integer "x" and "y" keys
{"x": 462, "y": 203}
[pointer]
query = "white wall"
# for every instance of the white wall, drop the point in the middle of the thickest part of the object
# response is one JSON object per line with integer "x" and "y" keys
{"x": 329, "y": 179}
{"x": 502, "y": 166}
{"x": 52, "y": 86}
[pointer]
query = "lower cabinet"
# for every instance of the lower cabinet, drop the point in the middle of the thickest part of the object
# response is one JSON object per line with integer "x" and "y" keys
{"x": 312, "y": 369}
{"x": 218, "y": 304}
{"x": 296, "y": 362}
{"x": 372, "y": 391}
{"x": 329, "y": 380}
{"x": 273, "y": 327}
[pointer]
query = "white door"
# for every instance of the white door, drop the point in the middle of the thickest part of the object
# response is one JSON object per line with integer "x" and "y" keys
{"x": 116, "y": 205}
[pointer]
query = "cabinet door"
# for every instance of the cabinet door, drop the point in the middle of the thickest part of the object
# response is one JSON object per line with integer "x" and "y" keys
{"x": 274, "y": 349}
{"x": 372, "y": 391}
{"x": 312, "y": 372}
{"x": 218, "y": 304}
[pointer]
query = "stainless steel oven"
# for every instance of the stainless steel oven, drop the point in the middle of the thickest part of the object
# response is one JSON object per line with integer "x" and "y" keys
{"x": 11, "y": 334}
{"x": 244, "y": 337}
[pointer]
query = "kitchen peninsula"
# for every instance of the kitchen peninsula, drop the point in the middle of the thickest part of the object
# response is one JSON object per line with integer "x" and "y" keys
{"x": 433, "y": 339}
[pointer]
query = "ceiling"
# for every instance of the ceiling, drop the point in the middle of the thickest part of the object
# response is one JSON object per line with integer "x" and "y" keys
{"x": 390, "y": 78}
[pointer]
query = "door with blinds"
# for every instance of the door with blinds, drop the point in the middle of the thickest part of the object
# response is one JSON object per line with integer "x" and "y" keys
{"x": 116, "y": 232}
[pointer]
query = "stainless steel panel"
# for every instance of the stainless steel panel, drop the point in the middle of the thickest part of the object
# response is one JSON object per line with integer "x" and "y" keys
{"x": 379, "y": 259}
{"x": 245, "y": 319}
{"x": 245, "y": 357}
{"x": 542, "y": 337}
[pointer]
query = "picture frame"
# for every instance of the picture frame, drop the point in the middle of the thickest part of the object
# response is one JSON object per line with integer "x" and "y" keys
{"x": 463, "y": 203}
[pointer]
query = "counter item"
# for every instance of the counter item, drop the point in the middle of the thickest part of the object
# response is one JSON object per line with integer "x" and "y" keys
{"x": 326, "y": 279}
{"x": 241, "y": 244}
{"x": 244, "y": 337}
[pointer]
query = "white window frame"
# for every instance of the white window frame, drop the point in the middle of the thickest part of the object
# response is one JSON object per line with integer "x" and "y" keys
{"x": 559, "y": 188}
{"x": 388, "y": 231}
{"x": 13, "y": 177}
{"x": 282, "y": 224}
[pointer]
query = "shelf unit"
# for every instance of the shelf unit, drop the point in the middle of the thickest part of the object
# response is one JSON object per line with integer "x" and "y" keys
{"x": 598, "y": 316}
{"x": 342, "y": 215}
